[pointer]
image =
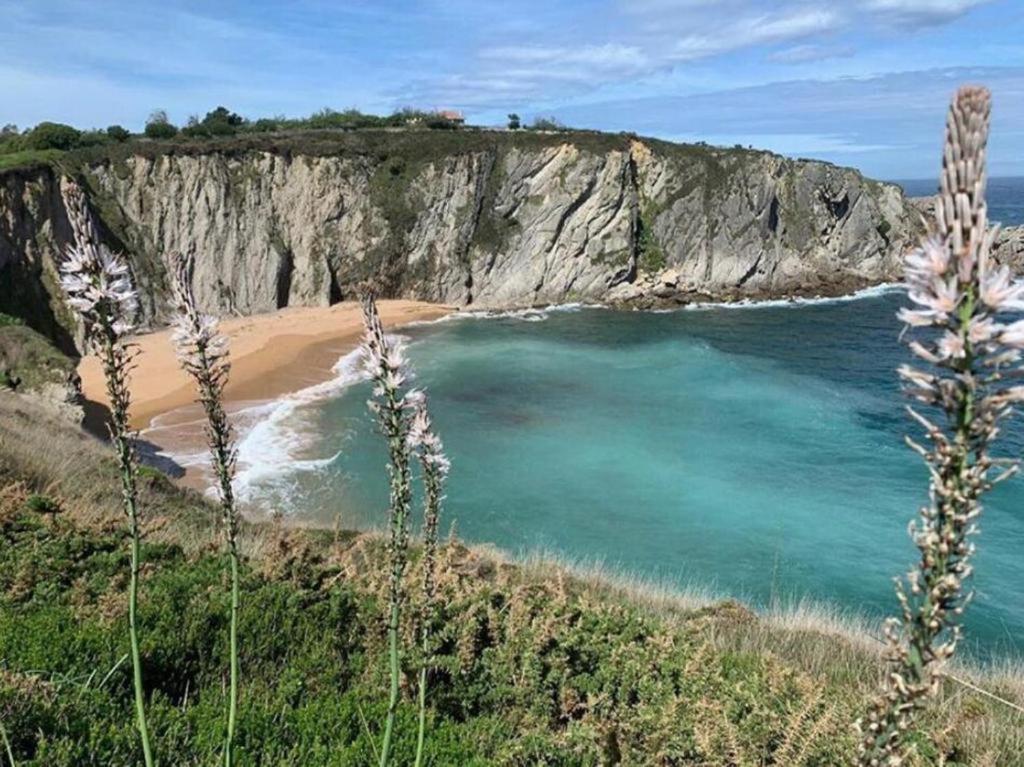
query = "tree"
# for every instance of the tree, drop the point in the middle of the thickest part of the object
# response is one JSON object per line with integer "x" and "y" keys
{"x": 10, "y": 129}
{"x": 118, "y": 133}
{"x": 221, "y": 122}
{"x": 513, "y": 122}
{"x": 546, "y": 123}
{"x": 159, "y": 127}
{"x": 49, "y": 135}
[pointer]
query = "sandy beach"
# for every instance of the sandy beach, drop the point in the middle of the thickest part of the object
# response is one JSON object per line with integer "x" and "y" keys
{"x": 271, "y": 355}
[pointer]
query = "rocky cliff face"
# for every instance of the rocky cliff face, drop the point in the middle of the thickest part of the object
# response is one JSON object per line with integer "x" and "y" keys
{"x": 481, "y": 219}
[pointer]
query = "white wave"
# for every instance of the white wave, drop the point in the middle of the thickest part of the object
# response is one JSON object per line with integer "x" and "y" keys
{"x": 875, "y": 290}
{"x": 275, "y": 434}
{"x": 273, "y": 437}
{"x": 528, "y": 314}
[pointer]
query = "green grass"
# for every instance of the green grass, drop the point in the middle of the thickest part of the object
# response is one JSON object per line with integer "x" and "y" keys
{"x": 29, "y": 158}
{"x": 28, "y": 360}
{"x": 537, "y": 663}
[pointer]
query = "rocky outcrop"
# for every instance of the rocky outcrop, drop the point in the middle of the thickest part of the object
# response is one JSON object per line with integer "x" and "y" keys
{"x": 30, "y": 365}
{"x": 482, "y": 219}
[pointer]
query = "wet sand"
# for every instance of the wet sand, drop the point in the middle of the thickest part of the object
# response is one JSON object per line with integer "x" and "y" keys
{"x": 271, "y": 355}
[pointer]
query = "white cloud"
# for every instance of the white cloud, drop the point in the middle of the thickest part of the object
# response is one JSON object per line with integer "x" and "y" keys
{"x": 612, "y": 57}
{"x": 801, "y": 54}
{"x": 921, "y": 12}
{"x": 756, "y": 30}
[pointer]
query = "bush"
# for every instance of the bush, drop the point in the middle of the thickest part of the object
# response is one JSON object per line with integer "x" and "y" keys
{"x": 49, "y": 135}
{"x": 160, "y": 130}
{"x": 42, "y": 504}
{"x": 93, "y": 138}
{"x": 266, "y": 125}
{"x": 546, "y": 123}
{"x": 159, "y": 127}
{"x": 118, "y": 134}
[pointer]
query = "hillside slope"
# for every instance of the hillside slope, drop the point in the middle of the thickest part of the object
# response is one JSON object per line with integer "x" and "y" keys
{"x": 536, "y": 664}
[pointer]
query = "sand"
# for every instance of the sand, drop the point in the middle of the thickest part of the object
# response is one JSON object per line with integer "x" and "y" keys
{"x": 271, "y": 355}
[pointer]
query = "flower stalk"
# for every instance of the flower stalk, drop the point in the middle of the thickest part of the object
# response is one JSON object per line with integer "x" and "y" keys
{"x": 968, "y": 358}
{"x": 434, "y": 464}
{"x": 99, "y": 289}
{"x": 203, "y": 354}
{"x": 385, "y": 365}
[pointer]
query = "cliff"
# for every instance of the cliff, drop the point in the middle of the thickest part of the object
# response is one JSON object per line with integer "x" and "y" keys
{"x": 477, "y": 218}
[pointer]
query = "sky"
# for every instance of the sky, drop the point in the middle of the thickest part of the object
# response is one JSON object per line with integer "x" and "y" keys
{"x": 857, "y": 82}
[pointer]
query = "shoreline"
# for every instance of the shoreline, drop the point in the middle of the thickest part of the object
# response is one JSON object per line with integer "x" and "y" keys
{"x": 276, "y": 354}
{"x": 271, "y": 355}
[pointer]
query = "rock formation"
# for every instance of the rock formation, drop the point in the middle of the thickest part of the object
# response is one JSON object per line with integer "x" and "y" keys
{"x": 478, "y": 218}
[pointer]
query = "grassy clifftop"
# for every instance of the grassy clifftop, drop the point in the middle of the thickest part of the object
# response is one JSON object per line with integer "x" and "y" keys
{"x": 419, "y": 145}
{"x": 538, "y": 664}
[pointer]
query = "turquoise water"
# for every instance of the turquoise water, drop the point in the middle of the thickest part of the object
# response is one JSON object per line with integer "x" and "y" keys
{"x": 753, "y": 451}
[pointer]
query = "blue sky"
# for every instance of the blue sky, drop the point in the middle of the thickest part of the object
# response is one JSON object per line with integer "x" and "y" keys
{"x": 860, "y": 82}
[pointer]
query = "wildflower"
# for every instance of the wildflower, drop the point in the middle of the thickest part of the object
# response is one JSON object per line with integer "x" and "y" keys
{"x": 99, "y": 289}
{"x": 999, "y": 293}
{"x": 1013, "y": 334}
{"x": 384, "y": 363}
{"x": 956, "y": 289}
{"x": 96, "y": 281}
{"x": 203, "y": 353}
{"x": 424, "y": 441}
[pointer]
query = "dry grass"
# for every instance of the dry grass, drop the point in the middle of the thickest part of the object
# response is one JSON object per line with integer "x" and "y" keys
{"x": 828, "y": 649}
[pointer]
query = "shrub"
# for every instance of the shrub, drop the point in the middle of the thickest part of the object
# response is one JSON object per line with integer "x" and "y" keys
{"x": 93, "y": 138}
{"x": 42, "y": 504}
{"x": 266, "y": 125}
{"x": 546, "y": 123}
{"x": 159, "y": 127}
{"x": 49, "y": 135}
{"x": 118, "y": 134}
{"x": 222, "y": 122}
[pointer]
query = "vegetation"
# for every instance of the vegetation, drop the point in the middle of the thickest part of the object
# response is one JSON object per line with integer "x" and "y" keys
{"x": 18, "y": 147}
{"x": 503, "y": 663}
{"x": 158, "y": 126}
{"x": 97, "y": 286}
{"x": 28, "y": 361}
{"x": 203, "y": 355}
{"x": 532, "y": 663}
{"x": 546, "y": 123}
{"x": 963, "y": 385}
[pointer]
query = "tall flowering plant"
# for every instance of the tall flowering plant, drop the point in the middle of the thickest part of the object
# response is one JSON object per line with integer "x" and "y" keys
{"x": 385, "y": 365}
{"x": 203, "y": 353}
{"x": 99, "y": 289}
{"x": 434, "y": 465}
{"x": 967, "y": 359}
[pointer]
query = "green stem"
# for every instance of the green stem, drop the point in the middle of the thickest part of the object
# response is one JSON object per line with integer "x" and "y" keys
{"x": 421, "y": 735}
{"x": 133, "y": 632}
{"x": 233, "y": 696}
{"x": 120, "y": 398}
{"x": 389, "y": 722}
{"x": 400, "y": 492}
{"x": 7, "y": 745}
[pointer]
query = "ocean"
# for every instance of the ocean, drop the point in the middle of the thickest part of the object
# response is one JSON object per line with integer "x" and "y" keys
{"x": 1005, "y": 197}
{"x": 754, "y": 452}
